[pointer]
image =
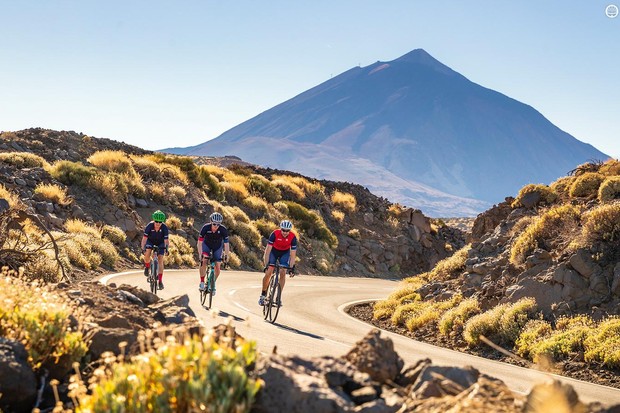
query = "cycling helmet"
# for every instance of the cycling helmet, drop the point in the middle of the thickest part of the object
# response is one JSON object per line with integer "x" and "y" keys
{"x": 216, "y": 218}
{"x": 286, "y": 225}
{"x": 159, "y": 216}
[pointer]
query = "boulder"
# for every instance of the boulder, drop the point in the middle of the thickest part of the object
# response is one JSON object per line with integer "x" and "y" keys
{"x": 375, "y": 356}
{"x": 18, "y": 383}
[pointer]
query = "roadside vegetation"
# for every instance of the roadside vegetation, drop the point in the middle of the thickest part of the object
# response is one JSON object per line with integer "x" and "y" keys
{"x": 576, "y": 213}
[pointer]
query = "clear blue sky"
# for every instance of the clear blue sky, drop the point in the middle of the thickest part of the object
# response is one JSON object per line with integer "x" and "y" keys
{"x": 162, "y": 73}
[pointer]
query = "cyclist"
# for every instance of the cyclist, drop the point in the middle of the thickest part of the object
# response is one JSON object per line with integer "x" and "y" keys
{"x": 212, "y": 240}
{"x": 156, "y": 236}
{"x": 282, "y": 247}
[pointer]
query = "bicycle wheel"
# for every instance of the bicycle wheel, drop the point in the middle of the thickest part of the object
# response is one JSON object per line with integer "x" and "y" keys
{"x": 275, "y": 304}
{"x": 153, "y": 277}
{"x": 211, "y": 286}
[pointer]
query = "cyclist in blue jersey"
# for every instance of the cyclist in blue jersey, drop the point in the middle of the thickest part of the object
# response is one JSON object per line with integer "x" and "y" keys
{"x": 282, "y": 246}
{"x": 155, "y": 236}
{"x": 213, "y": 240}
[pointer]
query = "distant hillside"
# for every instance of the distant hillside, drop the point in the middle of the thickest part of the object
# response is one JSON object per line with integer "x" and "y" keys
{"x": 411, "y": 119}
{"x": 96, "y": 195}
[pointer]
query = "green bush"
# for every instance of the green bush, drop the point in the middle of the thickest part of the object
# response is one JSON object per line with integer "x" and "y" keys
{"x": 263, "y": 187}
{"x": 39, "y": 317}
{"x": 72, "y": 173}
{"x": 547, "y": 195}
{"x": 603, "y": 345}
{"x": 455, "y": 318}
{"x": 311, "y": 223}
{"x": 24, "y": 160}
{"x": 561, "y": 219}
{"x": 609, "y": 189}
{"x": 533, "y": 331}
{"x": 195, "y": 374}
{"x": 586, "y": 185}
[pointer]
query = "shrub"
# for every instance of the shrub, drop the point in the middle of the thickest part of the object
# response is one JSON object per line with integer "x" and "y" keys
{"x": 9, "y": 196}
{"x": 609, "y": 189}
{"x": 289, "y": 189}
{"x": 521, "y": 225}
{"x": 586, "y": 185}
{"x": 568, "y": 338}
{"x": 486, "y": 324}
{"x": 113, "y": 161}
{"x": 558, "y": 220}
{"x": 533, "y": 331}
{"x": 547, "y": 195}
{"x": 261, "y": 186}
{"x": 248, "y": 232}
{"x": 447, "y": 267}
{"x": 344, "y": 200}
{"x": 454, "y": 319}
{"x": 239, "y": 214}
{"x": 246, "y": 255}
{"x": 431, "y": 312}
{"x": 311, "y": 223}
{"x": 191, "y": 374}
{"x": 256, "y": 204}
{"x": 562, "y": 186}
{"x": 265, "y": 228}
{"x": 111, "y": 185}
{"x": 602, "y": 225}
{"x": 40, "y": 318}
{"x": 72, "y": 173}
{"x": 603, "y": 344}
{"x": 338, "y": 215}
{"x": 514, "y": 319}
{"x": 177, "y": 193}
{"x": 77, "y": 226}
{"x": 24, "y": 160}
{"x": 354, "y": 233}
{"x": 173, "y": 222}
{"x": 180, "y": 252}
{"x": 235, "y": 190}
{"x": 53, "y": 193}
{"x": 113, "y": 233}
{"x": 610, "y": 168}
{"x": 147, "y": 168}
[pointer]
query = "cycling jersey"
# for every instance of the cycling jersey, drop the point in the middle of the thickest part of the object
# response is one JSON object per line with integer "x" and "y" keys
{"x": 213, "y": 238}
{"x": 156, "y": 237}
{"x": 281, "y": 243}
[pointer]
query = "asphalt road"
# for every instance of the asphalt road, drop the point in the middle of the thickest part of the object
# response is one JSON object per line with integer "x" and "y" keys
{"x": 312, "y": 322}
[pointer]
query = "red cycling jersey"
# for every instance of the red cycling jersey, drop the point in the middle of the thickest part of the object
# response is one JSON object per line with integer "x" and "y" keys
{"x": 282, "y": 243}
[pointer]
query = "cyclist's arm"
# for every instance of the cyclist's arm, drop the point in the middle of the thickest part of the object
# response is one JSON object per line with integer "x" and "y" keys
{"x": 166, "y": 234}
{"x": 199, "y": 246}
{"x": 143, "y": 243}
{"x": 291, "y": 262}
{"x": 266, "y": 255}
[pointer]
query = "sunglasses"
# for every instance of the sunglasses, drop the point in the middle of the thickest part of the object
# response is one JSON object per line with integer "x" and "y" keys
{"x": 286, "y": 230}
{"x": 214, "y": 224}
{"x": 159, "y": 222}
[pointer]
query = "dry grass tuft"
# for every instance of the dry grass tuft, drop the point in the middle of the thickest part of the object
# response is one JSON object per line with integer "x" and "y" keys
{"x": 53, "y": 193}
{"x": 547, "y": 195}
{"x": 24, "y": 160}
{"x": 9, "y": 196}
{"x": 586, "y": 185}
{"x": 609, "y": 189}
{"x": 344, "y": 200}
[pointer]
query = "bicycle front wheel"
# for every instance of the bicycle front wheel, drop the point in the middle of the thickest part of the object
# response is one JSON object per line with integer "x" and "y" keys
{"x": 153, "y": 277}
{"x": 211, "y": 284}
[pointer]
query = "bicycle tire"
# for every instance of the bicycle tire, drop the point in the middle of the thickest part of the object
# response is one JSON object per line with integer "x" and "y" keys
{"x": 273, "y": 294}
{"x": 211, "y": 286}
{"x": 154, "y": 273}
{"x": 275, "y": 305}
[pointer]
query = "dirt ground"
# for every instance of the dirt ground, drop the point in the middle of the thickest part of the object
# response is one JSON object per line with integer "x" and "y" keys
{"x": 573, "y": 368}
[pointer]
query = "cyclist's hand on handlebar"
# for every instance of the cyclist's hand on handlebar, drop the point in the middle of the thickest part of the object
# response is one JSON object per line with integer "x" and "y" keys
{"x": 291, "y": 271}
{"x": 166, "y": 251}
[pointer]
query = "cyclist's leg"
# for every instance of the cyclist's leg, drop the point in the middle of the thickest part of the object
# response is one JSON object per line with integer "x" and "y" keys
{"x": 206, "y": 252}
{"x": 284, "y": 259}
{"x": 217, "y": 256}
{"x": 270, "y": 267}
{"x": 161, "y": 253}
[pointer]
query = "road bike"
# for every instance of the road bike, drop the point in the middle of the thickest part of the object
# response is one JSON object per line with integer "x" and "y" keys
{"x": 153, "y": 273}
{"x": 272, "y": 303}
{"x": 209, "y": 288}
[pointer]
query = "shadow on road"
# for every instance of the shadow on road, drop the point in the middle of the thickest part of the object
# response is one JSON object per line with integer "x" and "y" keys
{"x": 226, "y": 315}
{"x": 296, "y": 331}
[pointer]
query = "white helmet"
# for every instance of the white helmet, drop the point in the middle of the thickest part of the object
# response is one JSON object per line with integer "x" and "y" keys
{"x": 216, "y": 218}
{"x": 286, "y": 225}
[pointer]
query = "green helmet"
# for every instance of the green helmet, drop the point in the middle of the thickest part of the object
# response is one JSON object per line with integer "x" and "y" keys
{"x": 159, "y": 216}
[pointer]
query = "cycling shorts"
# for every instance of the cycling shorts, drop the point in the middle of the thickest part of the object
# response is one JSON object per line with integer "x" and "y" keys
{"x": 161, "y": 248}
{"x": 283, "y": 257}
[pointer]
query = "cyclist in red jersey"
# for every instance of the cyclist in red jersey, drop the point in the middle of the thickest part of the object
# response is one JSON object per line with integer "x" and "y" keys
{"x": 282, "y": 247}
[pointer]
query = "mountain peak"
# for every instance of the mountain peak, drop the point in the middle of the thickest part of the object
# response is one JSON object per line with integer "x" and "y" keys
{"x": 422, "y": 57}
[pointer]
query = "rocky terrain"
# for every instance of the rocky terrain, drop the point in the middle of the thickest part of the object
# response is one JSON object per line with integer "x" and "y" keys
{"x": 376, "y": 238}
{"x": 371, "y": 377}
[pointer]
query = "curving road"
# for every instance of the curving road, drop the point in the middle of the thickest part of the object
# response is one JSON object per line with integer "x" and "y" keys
{"x": 312, "y": 322}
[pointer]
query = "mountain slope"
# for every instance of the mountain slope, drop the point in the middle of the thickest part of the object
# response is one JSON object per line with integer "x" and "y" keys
{"x": 415, "y": 118}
